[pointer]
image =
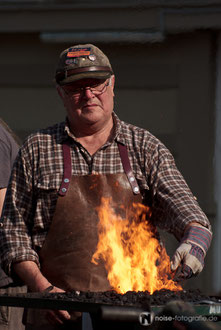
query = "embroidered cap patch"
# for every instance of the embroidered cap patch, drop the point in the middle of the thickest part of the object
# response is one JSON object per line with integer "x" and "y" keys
{"x": 78, "y": 52}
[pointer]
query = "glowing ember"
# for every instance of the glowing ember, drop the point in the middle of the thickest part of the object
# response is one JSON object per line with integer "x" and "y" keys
{"x": 134, "y": 258}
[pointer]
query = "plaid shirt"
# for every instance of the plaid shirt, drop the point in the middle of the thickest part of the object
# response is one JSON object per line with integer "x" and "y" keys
{"x": 38, "y": 171}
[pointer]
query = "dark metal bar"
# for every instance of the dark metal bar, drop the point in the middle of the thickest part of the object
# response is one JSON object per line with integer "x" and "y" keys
{"x": 38, "y": 301}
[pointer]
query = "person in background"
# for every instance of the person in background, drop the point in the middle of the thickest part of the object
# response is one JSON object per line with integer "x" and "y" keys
{"x": 10, "y": 317}
{"x": 61, "y": 175}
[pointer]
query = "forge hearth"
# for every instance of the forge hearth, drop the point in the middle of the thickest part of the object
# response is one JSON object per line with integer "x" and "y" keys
{"x": 90, "y": 301}
{"x": 141, "y": 298}
{"x": 109, "y": 306}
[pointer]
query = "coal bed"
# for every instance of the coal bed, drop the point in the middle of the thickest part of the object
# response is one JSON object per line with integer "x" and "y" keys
{"x": 93, "y": 301}
{"x": 132, "y": 298}
{"x": 88, "y": 298}
{"x": 111, "y": 306}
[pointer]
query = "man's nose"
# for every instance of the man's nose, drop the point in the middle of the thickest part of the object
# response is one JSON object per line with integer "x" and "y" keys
{"x": 87, "y": 93}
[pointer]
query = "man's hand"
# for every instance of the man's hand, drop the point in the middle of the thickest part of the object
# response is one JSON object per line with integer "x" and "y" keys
{"x": 188, "y": 259}
{"x": 56, "y": 317}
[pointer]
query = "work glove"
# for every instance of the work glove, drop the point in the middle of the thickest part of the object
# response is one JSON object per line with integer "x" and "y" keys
{"x": 188, "y": 259}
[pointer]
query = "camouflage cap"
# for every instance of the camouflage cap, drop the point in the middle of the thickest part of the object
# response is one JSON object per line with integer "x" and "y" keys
{"x": 80, "y": 62}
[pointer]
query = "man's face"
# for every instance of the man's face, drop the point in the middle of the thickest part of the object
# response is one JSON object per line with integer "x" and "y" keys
{"x": 88, "y": 101}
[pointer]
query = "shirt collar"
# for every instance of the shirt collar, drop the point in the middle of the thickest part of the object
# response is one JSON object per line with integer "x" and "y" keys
{"x": 64, "y": 132}
{"x": 118, "y": 136}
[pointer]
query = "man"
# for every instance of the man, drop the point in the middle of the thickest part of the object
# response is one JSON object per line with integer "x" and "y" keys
{"x": 10, "y": 318}
{"x": 50, "y": 231}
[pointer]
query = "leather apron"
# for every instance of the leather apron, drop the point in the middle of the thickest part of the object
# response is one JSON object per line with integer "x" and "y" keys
{"x": 66, "y": 254}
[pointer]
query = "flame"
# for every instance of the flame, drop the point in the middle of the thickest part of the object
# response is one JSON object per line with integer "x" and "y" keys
{"x": 134, "y": 258}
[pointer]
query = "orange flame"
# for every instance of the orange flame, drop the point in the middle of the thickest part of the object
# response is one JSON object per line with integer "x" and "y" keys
{"x": 133, "y": 256}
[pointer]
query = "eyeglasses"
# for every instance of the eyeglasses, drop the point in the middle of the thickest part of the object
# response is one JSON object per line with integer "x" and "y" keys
{"x": 96, "y": 89}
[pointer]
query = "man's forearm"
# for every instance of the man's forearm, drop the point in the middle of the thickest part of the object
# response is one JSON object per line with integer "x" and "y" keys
{"x": 31, "y": 275}
{"x": 29, "y": 272}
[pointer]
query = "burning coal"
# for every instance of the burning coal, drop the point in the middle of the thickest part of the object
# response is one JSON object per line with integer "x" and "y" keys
{"x": 134, "y": 258}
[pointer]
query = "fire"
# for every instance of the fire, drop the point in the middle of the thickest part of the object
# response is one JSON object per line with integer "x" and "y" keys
{"x": 134, "y": 258}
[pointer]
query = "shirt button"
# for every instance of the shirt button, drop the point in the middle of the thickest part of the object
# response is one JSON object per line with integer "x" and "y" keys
{"x": 132, "y": 179}
{"x": 136, "y": 189}
{"x": 66, "y": 180}
{"x": 63, "y": 190}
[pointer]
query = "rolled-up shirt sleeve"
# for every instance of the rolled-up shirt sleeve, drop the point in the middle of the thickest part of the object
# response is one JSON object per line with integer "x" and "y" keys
{"x": 16, "y": 221}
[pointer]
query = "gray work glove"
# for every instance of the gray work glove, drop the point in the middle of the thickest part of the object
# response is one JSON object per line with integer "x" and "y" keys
{"x": 188, "y": 259}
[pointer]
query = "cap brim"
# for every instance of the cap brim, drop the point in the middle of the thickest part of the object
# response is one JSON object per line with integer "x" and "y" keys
{"x": 85, "y": 75}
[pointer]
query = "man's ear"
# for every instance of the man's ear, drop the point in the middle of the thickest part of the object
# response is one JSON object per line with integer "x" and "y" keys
{"x": 62, "y": 95}
{"x": 112, "y": 83}
{"x": 60, "y": 91}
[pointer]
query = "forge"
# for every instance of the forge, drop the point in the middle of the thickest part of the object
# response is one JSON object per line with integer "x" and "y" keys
{"x": 111, "y": 310}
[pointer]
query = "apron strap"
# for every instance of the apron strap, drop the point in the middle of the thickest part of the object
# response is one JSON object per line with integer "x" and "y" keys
{"x": 124, "y": 159}
{"x": 127, "y": 168}
{"x": 67, "y": 169}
